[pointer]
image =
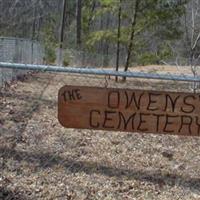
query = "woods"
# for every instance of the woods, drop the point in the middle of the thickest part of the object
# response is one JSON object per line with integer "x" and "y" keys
{"x": 130, "y": 33}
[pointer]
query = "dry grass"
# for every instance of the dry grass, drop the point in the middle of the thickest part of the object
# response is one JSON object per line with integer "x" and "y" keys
{"x": 39, "y": 159}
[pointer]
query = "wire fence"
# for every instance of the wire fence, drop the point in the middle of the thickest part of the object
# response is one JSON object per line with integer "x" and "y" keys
{"x": 173, "y": 70}
{"x": 85, "y": 58}
{"x": 167, "y": 78}
{"x": 17, "y": 56}
{"x": 90, "y": 59}
{"x": 17, "y": 50}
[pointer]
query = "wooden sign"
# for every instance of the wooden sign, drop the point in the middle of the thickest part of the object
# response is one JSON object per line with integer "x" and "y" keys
{"x": 129, "y": 110}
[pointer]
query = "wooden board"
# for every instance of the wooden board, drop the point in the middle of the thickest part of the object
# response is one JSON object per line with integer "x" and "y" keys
{"x": 129, "y": 110}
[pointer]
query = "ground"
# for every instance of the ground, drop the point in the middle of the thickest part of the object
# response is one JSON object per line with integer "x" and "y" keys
{"x": 39, "y": 159}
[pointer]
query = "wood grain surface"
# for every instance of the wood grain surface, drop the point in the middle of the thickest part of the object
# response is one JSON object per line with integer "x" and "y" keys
{"x": 129, "y": 110}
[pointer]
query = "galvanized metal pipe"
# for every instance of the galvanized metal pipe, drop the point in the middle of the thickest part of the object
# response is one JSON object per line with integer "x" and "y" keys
{"x": 104, "y": 72}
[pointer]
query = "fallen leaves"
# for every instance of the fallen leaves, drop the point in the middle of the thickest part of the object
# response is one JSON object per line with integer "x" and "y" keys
{"x": 43, "y": 160}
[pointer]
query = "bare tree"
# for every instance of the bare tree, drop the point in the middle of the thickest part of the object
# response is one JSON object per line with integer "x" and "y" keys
{"x": 131, "y": 40}
{"x": 192, "y": 35}
{"x": 118, "y": 38}
{"x": 61, "y": 39}
{"x": 78, "y": 22}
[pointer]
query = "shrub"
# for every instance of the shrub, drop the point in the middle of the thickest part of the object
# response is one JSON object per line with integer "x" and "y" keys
{"x": 148, "y": 59}
{"x": 50, "y": 55}
{"x": 67, "y": 58}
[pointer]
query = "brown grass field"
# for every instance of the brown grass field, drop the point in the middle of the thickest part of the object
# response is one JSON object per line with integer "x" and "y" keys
{"x": 39, "y": 159}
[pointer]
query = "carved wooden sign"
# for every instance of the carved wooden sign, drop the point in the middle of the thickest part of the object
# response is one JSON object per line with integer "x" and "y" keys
{"x": 129, "y": 110}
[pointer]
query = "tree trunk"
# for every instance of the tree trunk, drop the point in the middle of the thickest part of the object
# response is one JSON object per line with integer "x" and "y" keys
{"x": 91, "y": 16}
{"x": 106, "y": 44}
{"x": 118, "y": 38}
{"x": 33, "y": 34}
{"x": 60, "y": 53}
{"x": 130, "y": 46}
{"x": 79, "y": 24}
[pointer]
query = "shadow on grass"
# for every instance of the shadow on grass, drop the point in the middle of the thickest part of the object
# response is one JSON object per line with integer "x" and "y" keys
{"x": 31, "y": 105}
{"x": 46, "y": 160}
{"x": 26, "y": 97}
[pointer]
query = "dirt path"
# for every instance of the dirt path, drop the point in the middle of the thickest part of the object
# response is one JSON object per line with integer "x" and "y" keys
{"x": 39, "y": 159}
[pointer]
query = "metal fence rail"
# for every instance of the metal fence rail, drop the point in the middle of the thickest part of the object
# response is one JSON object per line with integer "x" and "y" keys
{"x": 105, "y": 72}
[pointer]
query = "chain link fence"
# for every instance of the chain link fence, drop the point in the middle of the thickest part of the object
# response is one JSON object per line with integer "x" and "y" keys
{"x": 91, "y": 59}
{"x": 164, "y": 77}
{"x": 17, "y": 50}
{"x": 84, "y": 58}
{"x": 169, "y": 75}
